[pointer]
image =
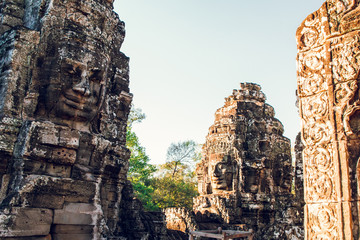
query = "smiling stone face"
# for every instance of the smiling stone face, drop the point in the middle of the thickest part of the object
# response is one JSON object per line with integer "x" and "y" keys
{"x": 76, "y": 86}
{"x": 82, "y": 92}
{"x": 221, "y": 173}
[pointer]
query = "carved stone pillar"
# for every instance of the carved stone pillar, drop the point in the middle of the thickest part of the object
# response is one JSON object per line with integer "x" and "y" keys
{"x": 328, "y": 88}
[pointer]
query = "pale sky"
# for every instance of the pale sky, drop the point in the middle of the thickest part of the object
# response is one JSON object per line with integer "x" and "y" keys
{"x": 186, "y": 56}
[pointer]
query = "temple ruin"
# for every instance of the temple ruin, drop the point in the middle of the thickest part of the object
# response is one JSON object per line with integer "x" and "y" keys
{"x": 328, "y": 90}
{"x": 64, "y": 104}
{"x": 246, "y": 178}
{"x": 246, "y": 174}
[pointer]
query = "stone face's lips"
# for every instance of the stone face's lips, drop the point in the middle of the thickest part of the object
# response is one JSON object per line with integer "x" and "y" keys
{"x": 219, "y": 182}
{"x": 78, "y": 103}
{"x": 218, "y": 179}
{"x": 74, "y": 97}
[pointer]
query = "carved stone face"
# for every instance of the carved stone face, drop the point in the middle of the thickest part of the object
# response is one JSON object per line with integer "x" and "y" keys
{"x": 75, "y": 96}
{"x": 221, "y": 175}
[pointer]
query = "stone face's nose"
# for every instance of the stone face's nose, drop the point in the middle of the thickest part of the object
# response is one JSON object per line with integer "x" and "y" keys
{"x": 216, "y": 171}
{"x": 83, "y": 87}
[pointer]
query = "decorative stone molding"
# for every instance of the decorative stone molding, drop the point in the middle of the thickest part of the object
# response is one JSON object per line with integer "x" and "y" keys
{"x": 328, "y": 72}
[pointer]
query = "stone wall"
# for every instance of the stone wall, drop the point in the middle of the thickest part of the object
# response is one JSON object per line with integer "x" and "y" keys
{"x": 180, "y": 219}
{"x": 328, "y": 88}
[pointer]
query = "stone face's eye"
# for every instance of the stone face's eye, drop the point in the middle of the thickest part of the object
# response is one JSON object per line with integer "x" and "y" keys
{"x": 219, "y": 166}
{"x": 72, "y": 70}
{"x": 96, "y": 75}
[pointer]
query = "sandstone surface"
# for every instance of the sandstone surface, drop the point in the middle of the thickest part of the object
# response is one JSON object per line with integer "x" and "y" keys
{"x": 328, "y": 90}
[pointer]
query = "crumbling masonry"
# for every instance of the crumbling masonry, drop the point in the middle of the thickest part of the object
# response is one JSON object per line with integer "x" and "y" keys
{"x": 246, "y": 173}
{"x": 64, "y": 102}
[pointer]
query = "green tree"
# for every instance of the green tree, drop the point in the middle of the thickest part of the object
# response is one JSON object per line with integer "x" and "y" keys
{"x": 181, "y": 153}
{"x": 175, "y": 185}
{"x": 170, "y": 192}
{"x": 140, "y": 170}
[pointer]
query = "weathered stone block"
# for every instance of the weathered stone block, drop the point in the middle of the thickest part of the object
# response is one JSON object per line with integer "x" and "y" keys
{"x": 13, "y": 10}
{"x": 45, "y": 133}
{"x": 63, "y": 156}
{"x": 71, "y": 190}
{"x": 69, "y": 139}
{"x": 79, "y": 207}
{"x": 48, "y": 237}
{"x": 72, "y": 236}
{"x": 11, "y": 21}
{"x": 4, "y": 186}
{"x": 76, "y": 214}
{"x": 58, "y": 170}
{"x": 28, "y": 222}
{"x": 44, "y": 168}
{"x": 9, "y": 129}
{"x": 72, "y": 229}
{"x": 64, "y": 217}
{"x": 84, "y": 173}
{"x": 50, "y": 201}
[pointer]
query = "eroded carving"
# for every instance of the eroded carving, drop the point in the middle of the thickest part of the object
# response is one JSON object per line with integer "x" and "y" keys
{"x": 222, "y": 173}
{"x": 323, "y": 222}
{"x": 328, "y": 73}
{"x": 82, "y": 89}
{"x": 246, "y": 167}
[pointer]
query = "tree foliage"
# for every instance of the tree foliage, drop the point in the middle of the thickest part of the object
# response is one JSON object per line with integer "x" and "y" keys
{"x": 181, "y": 154}
{"x": 174, "y": 190}
{"x": 174, "y": 184}
{"x": 140, "y": 170}
{"x": 171, "y": 192}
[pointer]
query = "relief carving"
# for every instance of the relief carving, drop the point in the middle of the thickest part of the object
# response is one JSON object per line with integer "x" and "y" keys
{"x": 315, "y": 108}
{"x": 345, "y": 58}
{"x": 317, "y": 133}
{"x": 312, "y": 71}
{"x": 336, "y": 10}
{"x": 221, "y": 173}
{"x": 82, "y": 89}
{"x": 312, "y": 32}
{"x": 323, "y": 222}
{"x": 330, "y": 114}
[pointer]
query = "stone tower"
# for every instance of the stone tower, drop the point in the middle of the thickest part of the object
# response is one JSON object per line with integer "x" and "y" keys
{"x": 328, "y": 88}
{"x": 64, "y": 102}
{"x": 245, "y": 175}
